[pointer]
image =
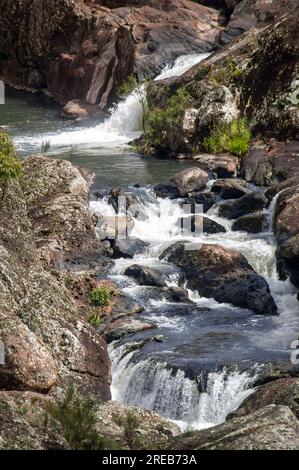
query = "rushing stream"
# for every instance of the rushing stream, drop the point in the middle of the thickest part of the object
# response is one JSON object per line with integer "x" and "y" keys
{"x": 211, "y": 352}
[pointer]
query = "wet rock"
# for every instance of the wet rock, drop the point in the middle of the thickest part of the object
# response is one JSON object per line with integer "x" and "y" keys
{"x": 120, "y": 304}
{"x": 247, "y": 204}
{"x": 129, "y": 247}
{"x": 223, "y": 274}
{"x": 198, "y": 224}
{"x": 230, "y": 188}
{"x": 114, "y": 227}
{"x": 124, "y": 202}
{"x": 224, "y": 166}
{"x": 190, "y": 180}
{"x": 251, "y": 223}
{"x": 271, "y": 164}
{"x": 271, "y": 192}
{"x": 206, "y": 199}
{"x": 167, "y": 190}
{"x": 279, "y": 392}
{"x": 125, "y": 327}
{"x": 146, "y": 276}
{"x": 270, "y": 428}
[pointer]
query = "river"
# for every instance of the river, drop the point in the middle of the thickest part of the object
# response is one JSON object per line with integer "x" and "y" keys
{"x": 211, "y": 353}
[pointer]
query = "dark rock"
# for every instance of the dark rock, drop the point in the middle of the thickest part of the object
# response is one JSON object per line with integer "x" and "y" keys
{"x": 270, "y": 428}
{"x": 251, "y": 223}
{"x": 271, "y": 192}
{"x": 223, "y": 274}
{"x": 230, "y": 188}
{"x": 125, "y": 327}
{"x": 205, "y": 198}
{"x": 224, "y": 166}
{"x": 128, "y": 248}
{"x": 247, "y": 204}
{"x": 199, "y": 224}
{"x": 167, "y": 190}
{"x": 146, "y": 276}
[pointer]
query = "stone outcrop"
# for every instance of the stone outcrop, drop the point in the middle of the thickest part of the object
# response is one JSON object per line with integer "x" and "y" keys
{"x": 270, "y": 428}
{"x": 223, "y": 274}
{"x": 247, "y": 204}
{"x": 81, "y": 51}
{"x": 48, "y": 343}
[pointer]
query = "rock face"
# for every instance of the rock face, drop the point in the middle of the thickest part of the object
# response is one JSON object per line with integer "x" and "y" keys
{"x": 279, "y": 392}
{"x": 270, "y": 428}
{"x": 222, "y": 274}
{"x": 80, "y": 50}
{"x": 48, "y": 343}
{"x": 286, "y": 229}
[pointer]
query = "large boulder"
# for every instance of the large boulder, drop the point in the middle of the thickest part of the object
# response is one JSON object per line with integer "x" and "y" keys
{"x": 223, "y": 274}
{"x": 251, "y": 223}
{"x": 230, "y": 188}
{"x": 146, "y": 276}
{"x": 270, "y": 428}
{"x": 247, "y": 204}
{"x": 190, "y": 180}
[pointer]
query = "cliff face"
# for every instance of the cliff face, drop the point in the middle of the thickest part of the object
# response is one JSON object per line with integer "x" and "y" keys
{"x": 83, "y": 50}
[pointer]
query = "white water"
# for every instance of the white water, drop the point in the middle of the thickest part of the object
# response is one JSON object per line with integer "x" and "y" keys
{"x": 153, "y": 386}
{"x": 124, "y": 123}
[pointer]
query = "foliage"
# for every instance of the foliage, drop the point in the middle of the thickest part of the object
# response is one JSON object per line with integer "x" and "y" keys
{"x": 159, "y": 120}
{"x": 10, "y": 166}
{"x": 137, "y": 89}
{"x": 94, "y": 318}
{"x": 100, "y": 296}
{"x": 233, "y": 137}
{"x": 229, "y": 73}
{"x": 77, "y": 417}
{"x": 129, "y": 423}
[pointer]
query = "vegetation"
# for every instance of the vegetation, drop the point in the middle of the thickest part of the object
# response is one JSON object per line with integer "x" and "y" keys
{"x": 129, "y": 423}
{"x": 10, "y": 166}
{"x": 229, "y": 73}
{"x": 159, "y": 120}
{"x": 95, "y": 318}
{"x": 77, "y": 417}
{"x": 233, "y": 137}
{"x": 137, "y": 89}
{"x": 100, "y": 296}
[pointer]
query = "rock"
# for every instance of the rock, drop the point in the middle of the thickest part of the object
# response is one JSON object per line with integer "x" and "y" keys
{"x": 270, "y": 164}
{"x": 49, "y": 343}
{"x": 81, "y": 52}
{"x": 206, "y": 199}
{"x": 167, "y": 190}
{"x": 190, "y": 180}
{"x": 198, "y": 224}
{"x": 270, "y": 428}
{"x": 273, "y": 190}
{"x": 132, "y": 204}
{"x": 230, "y": 188}
{"x": 224, "y": 166}
{"x": 125, "y": 327}
{"x": 223, "y": 274}
{"x": 279, "y": 392}
{"x": 120, "y": 304}
{"x": 29, "y": 364}
{"x": 145, "y": 276}
{"x": 129, "y": 247}
{"x": 23, "y": 416}
{"x": 159, "y": 338}
{"x": 251, "y": 223}
{"x": 286, "y": 229}
{"x": 80, "y": 109}
{"x": 247, "y": 204}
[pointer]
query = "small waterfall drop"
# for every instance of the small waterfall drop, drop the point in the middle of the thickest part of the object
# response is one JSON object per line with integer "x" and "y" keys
{"x": 153, "y": 385}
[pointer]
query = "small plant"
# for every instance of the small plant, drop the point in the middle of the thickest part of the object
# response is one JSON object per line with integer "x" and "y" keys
{"x": 137, "y": 89}
{"x": 45, "y": 147}
{"x": 77, "y": 417}
{"x": 130, "y": 424}
{"x": 95, "y": 318}
{"x": 10, "y": 166}
{"x": 233, "y": 137}
{"x": 202, "y": 72}
{"x": 229, "y": 73}
{"x": 100, "y": 296}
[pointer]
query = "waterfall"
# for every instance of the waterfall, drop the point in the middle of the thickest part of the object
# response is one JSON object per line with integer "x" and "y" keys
{"x": 155, "y": 386}
{"x": 124, "y": 123}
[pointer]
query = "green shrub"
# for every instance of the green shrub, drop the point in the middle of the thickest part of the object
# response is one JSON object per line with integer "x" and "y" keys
{"x": 159, "y": 120}
{"x": 10, "y": 166}
{"x": 130, "y": 424}
{"x": 77, "y": 417}
{"x": 100, "y": 297}
{"x": 233, "y": 137}
{"x": 95, "y": 318}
